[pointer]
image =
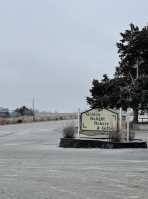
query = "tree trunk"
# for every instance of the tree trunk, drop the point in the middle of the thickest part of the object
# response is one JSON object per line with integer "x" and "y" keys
{"x": 135, "y": 119}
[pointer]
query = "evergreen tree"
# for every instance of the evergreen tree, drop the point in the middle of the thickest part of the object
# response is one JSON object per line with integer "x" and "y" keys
{"x": 129, "y": 87}
{"x": 24, "y": 111}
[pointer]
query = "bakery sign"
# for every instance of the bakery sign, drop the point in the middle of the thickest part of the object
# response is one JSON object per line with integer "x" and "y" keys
{"x": 99, "y": 120}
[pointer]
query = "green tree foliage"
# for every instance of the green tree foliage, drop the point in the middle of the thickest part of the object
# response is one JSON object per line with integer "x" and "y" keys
{"x": 129, "y": 87}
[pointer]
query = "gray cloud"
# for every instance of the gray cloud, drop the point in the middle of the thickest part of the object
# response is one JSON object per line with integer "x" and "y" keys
{"x": 52, "y": 50}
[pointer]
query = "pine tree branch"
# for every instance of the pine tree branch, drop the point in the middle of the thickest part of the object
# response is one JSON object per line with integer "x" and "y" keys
{"x": 132, "y": 80}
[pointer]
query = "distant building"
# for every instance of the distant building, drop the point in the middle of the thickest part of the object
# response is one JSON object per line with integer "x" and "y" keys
{"x": 13, "y": 114}
{"x": 4, "y": 109}
{"x": 4, "y": 113}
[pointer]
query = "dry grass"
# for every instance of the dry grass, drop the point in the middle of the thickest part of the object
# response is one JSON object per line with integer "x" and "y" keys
{"x": 38, "y": 118}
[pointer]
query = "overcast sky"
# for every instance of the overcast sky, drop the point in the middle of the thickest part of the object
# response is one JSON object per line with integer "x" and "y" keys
{"x": 51, "y": 50}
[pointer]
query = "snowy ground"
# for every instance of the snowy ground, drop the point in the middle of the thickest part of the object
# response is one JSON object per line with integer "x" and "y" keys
{"x": 32, "y": 166}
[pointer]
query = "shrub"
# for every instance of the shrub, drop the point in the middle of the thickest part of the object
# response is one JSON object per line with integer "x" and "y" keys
{"x": 131, "y": 125}
{"x": 69, "y": 131}
{"x": 131, "y": 135}
{"x": 115, "y": 136}
{"x": 131, "y": 132}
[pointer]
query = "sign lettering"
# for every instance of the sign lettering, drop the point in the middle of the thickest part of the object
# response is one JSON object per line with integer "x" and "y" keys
{"x": 99, "y": 120}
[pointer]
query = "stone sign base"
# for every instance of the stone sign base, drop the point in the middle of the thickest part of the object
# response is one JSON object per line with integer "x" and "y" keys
{"x": 96, "y": 143}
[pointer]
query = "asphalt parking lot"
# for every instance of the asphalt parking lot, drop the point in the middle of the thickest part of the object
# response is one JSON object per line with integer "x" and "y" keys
{"x": 32, "y": 166}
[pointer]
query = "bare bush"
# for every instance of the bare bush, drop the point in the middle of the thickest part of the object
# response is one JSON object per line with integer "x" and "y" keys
{"x": 115, "y": 136}
{"x": 69, "y": 131}
{"x": 130, "y": 125}
{"x": 131, "y": 135}
{"x": 131, "y": 132}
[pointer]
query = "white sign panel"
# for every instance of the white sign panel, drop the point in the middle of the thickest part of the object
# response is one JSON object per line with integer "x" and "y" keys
{"x": 99, "y": 120}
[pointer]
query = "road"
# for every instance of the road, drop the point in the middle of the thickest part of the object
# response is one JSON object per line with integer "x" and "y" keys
{"x": 32, "y": 166}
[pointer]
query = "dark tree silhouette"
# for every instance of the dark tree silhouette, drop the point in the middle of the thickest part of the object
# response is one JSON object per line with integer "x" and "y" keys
{"x": 129, "y": 87}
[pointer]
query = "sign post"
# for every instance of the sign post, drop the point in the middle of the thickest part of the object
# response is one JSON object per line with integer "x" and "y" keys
{"x": 79, "y": 111}
{"x": 121, "y": 120}
{"x": 127, "y": 120}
